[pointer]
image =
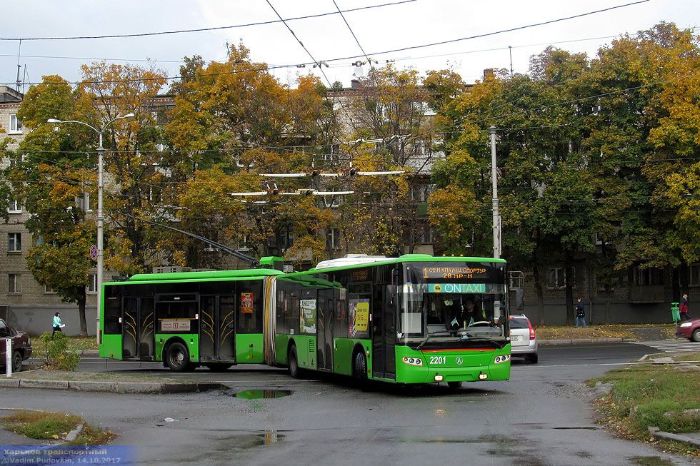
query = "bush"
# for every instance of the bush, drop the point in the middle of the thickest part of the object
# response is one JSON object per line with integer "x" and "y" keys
{"x": 57, "y": 354}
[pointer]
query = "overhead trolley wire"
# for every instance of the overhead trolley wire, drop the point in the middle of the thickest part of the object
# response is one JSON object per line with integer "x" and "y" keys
{"x": 384, "y": 52}
{"x": 357, "y": 41}
{"x": 206, "y": 29}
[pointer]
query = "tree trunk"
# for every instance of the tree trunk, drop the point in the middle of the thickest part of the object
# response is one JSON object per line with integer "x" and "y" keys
{"x": 539, "y": 317}
{"x": 81, "y": 312}
{"x": 568, "y": 275}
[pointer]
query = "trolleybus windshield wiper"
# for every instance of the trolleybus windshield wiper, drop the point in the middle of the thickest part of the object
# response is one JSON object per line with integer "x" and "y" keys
{"x": 435, "y": 334}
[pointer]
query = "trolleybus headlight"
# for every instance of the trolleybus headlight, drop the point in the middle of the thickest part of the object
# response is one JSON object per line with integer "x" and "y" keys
{"x": 413, "y": 361}
{"x": 502, "y": 358}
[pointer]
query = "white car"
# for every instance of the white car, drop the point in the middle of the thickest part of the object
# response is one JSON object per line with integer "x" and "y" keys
{"x": 523, "y": 341}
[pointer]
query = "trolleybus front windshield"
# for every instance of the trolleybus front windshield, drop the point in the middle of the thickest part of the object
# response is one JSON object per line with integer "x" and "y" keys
{"x": 449, "y": 300}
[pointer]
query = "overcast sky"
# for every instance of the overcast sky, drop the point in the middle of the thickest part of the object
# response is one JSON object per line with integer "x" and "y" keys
{"x": 389, "y": 27}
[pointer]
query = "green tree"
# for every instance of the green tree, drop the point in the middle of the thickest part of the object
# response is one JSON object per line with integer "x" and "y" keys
{"x": 49, "y": 172}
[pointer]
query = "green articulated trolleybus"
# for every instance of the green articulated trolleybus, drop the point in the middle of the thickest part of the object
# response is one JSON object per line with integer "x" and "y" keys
{"x": 409, "y": 320}
{"x": 186, "y": 319}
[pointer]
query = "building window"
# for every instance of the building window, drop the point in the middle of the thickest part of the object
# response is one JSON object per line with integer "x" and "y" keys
{"x": 647, "y": 277}
{"x": 14, "y": 207}
{"x": 556, "y": 278}
{"x": 13, "y": 283}
{"x": 15, "y": 124}
{"x": 694, "y": 274}
{"x": 48, "y": 290}
{"x": 14, "y": 242}
{"x": 91, "y": 287}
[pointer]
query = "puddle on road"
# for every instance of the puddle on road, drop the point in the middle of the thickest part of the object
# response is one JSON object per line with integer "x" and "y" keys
{"x": 262, "y": 394}
{"x": 248, "y": 441}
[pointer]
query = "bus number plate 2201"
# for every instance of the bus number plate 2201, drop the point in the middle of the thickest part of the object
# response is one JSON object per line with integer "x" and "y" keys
{"x": 438, "y": 359}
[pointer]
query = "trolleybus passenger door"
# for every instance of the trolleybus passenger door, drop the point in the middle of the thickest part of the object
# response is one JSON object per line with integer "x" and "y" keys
{"x": 324, "y": 329}
{"x": 207, "y": 328}
{"x": 226, "y": 320}
{"x": 216, "y": 329}
{"x": 137, "y": 328}
{"x": 383, "y": 333}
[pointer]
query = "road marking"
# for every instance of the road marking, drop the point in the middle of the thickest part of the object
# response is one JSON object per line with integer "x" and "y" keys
{"x": 672, "y": 346}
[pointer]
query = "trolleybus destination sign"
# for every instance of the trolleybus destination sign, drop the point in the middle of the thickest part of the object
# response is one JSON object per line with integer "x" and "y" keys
{"x": 448, "y": 272}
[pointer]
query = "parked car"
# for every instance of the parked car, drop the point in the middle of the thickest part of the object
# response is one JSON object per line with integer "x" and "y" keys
{"x": 689, "y": 329}
{"x": 21, "y": 346}
{"x": 523, "y": 341}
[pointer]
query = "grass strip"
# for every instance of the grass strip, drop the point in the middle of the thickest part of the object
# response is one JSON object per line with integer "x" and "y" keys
{"x": 74, "y": 344}
{"x": 44, "y": 425}
{"x": 645, "y": 395}
{"x": 631, "y": 331}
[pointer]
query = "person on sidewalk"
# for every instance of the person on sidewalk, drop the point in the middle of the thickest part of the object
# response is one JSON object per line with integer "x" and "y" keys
{"x": 580, "y": 314}
{"x": 683, "y": 308}
{"x": 57, "y": 324}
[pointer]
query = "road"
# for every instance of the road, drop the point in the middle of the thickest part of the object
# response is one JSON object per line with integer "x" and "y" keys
{"x": 541, "y": 417}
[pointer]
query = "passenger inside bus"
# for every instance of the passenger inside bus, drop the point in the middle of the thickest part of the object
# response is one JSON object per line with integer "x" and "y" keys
{"x": 444, "y": 312}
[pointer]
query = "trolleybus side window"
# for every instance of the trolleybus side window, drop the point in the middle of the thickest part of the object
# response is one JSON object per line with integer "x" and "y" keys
{"x": 249, "y": 307}
{"x": 112, "y": 310}
{"x": 359, "y": 306}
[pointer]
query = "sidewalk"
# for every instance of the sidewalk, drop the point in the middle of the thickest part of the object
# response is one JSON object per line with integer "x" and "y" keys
{"x": 587, "y": 341}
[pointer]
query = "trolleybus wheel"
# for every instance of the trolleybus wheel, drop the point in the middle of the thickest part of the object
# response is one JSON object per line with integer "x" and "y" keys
{"x": 359, "y": 367}
{"x": 176, "y": 357}
{"x": 293, "y": 363}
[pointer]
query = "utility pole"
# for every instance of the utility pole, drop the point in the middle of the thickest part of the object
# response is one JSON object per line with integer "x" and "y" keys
{"x": 510, "y": 51}
{"x": 494, "y": 184}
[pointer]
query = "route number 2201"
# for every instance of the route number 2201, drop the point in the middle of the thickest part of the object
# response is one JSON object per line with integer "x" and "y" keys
{"x": 438, "y": 359}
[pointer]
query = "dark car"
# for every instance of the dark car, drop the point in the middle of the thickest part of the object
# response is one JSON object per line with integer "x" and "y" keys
{"x": 21, "y": 346}
{"x": 689, "y": 329}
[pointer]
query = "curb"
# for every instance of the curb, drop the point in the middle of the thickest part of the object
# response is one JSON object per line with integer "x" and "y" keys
{"x": 112, "y": 387}
{"x": 586, "y": 341}
{"x": 654, "y": 431}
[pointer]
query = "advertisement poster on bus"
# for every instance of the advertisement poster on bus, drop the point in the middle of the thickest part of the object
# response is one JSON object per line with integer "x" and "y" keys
{"x": 247, "y": 303}
{"x": 308, "y": 315}
{"x": 359, "y": 317}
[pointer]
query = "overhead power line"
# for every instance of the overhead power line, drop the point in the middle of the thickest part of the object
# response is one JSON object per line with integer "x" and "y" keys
{"x": 214, "y": 28}
{"x": 316, "y": 62}
{"x": 487, "y": 34}
{"x": 385, "y": 52}
{"x": 357, "y": 41}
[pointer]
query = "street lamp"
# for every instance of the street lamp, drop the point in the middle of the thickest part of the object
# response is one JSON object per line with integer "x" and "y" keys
{"x": 496, "y": 224}
{"x": 100, "y": 217}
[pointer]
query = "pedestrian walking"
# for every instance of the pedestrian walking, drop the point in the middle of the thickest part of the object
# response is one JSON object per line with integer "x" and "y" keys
{"x": 683, "y": 308}
{"x": 57, "y": 324}
{"x": 580, "y": 314}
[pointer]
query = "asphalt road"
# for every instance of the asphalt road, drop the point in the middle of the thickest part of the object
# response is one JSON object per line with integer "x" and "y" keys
{"x": 541, "y": 416}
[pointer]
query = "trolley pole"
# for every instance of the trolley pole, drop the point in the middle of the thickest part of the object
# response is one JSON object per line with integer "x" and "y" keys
{"x": 494, "y": 184}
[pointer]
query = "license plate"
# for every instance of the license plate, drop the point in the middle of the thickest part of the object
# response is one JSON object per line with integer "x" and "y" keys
{"x": 515, "y": 338}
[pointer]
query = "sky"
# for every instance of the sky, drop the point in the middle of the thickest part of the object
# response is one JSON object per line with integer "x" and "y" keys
{"x": 380, "y": 29}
